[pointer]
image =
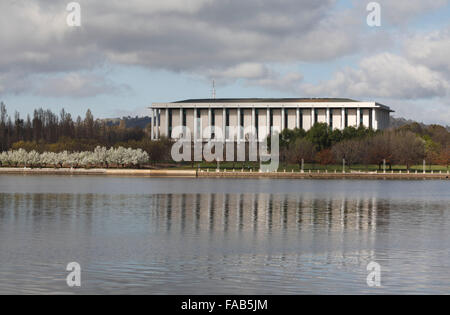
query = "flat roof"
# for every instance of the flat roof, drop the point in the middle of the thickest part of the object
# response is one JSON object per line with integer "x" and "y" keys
{"x": 266, "y": 100}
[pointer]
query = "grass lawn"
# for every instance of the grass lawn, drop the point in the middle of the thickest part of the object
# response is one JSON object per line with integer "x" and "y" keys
{"x": 254, "y": 166}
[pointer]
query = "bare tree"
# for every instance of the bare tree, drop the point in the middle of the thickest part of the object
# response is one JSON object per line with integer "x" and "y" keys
{"x": 407, "y": 148}
{"x": 301, "y": 149}
{"x": 348, "y": 150}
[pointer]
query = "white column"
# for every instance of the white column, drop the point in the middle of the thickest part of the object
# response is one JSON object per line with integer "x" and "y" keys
{"x": 167, "y": 124}
{"x": 283, "y": 123}
{"x": 328, "y": 117}
{"x": 342, "y": 118}
{"x": 374, "y": 122}
{"x": 239, "y": 124}
{"x": 253, "y": 120}
{"x": 181, "y": 116}
{"x": 195, "y": 125}
{"x": 313, "y": 116}
{"x": 358, "y": 117}
{"x": 268, "y": 122}
{"x": 209, "y": 120}
{"x": 152, "y": 115}
{"x": 297, "y": 117}
{"x": 224, "y": 124}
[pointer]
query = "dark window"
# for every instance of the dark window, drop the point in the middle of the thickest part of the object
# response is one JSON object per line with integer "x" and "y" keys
{"x": 213, "y": 123}
{"x": 184, "y": 117}
{"x": 170, "y": 123}
{"x": 242, "y": 118}
{"x": 370, "y": 118}
{"x": 346, "y": 118}
{"x": 331, "y": 119}
{"x": 286, "y": 112}
{"x": 227, "y": 123}
{"x": 257, "y": 123}
{"x": 227, "y": 117}
{"x": 316, "y": 115}
{"x": 361, "y": 117}
{"x": 301, "y": 119}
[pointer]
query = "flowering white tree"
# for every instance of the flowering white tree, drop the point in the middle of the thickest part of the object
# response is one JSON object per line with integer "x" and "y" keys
{"x": 32, "y": 158}
{"x": 4, "y": 159}
{"x": 101, "y": 156}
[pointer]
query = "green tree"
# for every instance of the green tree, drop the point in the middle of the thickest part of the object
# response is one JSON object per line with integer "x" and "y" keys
{"x": 319, "y": 136}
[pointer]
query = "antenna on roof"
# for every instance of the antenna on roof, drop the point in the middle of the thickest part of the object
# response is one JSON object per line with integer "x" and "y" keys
{"x": 214, "y": 90}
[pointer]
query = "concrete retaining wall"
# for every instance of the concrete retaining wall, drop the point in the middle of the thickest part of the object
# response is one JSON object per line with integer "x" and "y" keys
{"x": 221, "y": 174}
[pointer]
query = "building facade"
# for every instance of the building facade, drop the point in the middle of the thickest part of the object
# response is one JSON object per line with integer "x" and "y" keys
{"x": 236, "y": 118}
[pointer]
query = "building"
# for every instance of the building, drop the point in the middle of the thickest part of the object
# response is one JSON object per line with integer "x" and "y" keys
{"x": 279, "y": 114}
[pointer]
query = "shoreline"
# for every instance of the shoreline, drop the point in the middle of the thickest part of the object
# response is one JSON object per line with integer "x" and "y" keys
{"x": 223, "y": 174}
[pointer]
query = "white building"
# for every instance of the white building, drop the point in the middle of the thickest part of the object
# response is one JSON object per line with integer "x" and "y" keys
{"x": 258, "y": 114}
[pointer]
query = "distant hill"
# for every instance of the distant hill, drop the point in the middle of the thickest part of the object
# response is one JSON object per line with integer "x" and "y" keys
{"x": 398, "y": 122}
{"x": 130, "y": 122}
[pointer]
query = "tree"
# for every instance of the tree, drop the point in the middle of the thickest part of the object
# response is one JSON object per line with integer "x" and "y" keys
{"x": 444, "y": 157}
{"x": 325, "y": 157}
{"x": 301, "y": 149}
{"x": 348, "y": 150}
{"x": 408, "y": 148}
{"x": 3, "y": 120}
{"x": 319, "y": 136}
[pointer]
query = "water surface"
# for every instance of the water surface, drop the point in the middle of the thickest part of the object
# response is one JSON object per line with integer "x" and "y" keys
{"x": 223, "y": 236}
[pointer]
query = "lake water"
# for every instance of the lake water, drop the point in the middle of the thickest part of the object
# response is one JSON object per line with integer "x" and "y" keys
{"x": 223, "y": 236}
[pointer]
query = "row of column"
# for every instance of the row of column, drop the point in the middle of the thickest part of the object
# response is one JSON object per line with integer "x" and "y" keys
{"x": 156, "y": 120}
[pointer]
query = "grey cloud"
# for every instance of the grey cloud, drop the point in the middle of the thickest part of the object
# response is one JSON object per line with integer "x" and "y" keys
{"x": 431, "y": 49}
{"x": 384, "y": 75}
{"x": 77, "y": 85}
{"x": 193, "y": 36}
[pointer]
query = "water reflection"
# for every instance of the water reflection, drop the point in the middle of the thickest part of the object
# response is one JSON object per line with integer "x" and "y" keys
{"x": 267, "y": 214}
{"x": 223, "y": 243}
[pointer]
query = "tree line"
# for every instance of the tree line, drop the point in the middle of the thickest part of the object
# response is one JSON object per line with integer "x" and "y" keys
{"x": 405, "y": 145}
{"x": 47, "y": 131}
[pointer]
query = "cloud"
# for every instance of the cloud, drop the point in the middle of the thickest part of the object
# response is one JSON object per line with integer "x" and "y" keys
{"x": 191, "y": 36}
{"x": 400, "y": 12}
{"x": 77, "y": 86}
{"x": 384, "y": 75}
{"x": 431, "y": 49}
{"x": 248, "y": 70}
{"x": 258, "y": 74}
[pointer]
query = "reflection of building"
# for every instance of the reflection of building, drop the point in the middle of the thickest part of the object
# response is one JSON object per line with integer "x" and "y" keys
{"x": 279, "y": 114}
{"x": 264, "y": 213}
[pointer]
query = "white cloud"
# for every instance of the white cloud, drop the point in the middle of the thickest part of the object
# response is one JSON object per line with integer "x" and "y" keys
{"x": 384, "y": 75}
{"x": 248, "y": 70}
{"x": 77, "y": 85}
{"x": 431, "y": 49}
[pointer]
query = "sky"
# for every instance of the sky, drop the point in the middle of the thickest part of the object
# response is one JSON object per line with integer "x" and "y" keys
{"x": 126, "y": 55}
